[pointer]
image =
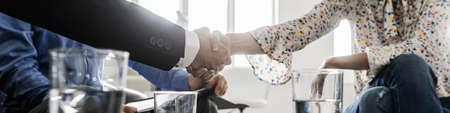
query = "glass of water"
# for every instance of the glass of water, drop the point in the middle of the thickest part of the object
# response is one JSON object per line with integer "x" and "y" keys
{"x": 306, "y": 98}
{"x": 176, "y": 101}
{"x": 87, "y": 80}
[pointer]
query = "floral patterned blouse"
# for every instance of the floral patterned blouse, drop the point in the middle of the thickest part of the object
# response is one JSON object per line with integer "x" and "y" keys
{"x": 383, "y": 29}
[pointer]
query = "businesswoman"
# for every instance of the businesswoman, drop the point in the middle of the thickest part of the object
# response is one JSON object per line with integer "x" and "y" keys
{"x": 403, "y": 45}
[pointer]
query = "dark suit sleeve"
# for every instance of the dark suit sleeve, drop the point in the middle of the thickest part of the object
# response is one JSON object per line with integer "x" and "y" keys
{"x": 113, "y": 24}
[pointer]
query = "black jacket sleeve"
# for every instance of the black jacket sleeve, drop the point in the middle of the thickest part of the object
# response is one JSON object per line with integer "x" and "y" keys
{"x": 112, "y": 24}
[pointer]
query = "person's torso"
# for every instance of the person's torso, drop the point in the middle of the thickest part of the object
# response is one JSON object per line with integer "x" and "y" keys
{"x": 389, "y": 26}
{"x": 43, "y": 41}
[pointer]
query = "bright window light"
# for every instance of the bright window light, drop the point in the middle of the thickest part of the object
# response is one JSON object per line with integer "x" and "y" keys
{"x": 249, "y": 16}
{"x": 214, "y": 14}
{"x": 342, "y": 39}
{"x": 208, "y": 13}
{"x": 164, "y": 8}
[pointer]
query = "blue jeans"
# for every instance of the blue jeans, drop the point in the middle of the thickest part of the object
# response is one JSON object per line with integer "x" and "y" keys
{"x": 407, "y": 85}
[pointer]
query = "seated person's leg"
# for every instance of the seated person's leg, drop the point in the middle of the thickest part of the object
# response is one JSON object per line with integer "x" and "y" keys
{"x": 353, "y": 108}
{"x": 376, "y": 100}
{"x": 373, "y": 100}
{"x": 22, "y": 84}
{"x": 412, "y": 85}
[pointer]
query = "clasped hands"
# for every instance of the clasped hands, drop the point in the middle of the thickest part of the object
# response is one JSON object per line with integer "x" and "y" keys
{"x": 214, "y": 54}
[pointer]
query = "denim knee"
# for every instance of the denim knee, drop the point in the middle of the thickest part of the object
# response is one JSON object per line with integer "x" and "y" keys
{"x": 376, "y": 100}
{"x": 411, "y": 69}
{"x": 410, "y": 59}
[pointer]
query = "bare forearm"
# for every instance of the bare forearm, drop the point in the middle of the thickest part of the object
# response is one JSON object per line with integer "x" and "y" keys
{"x": 356, "y": 62}
{"x": 244, "y": 43}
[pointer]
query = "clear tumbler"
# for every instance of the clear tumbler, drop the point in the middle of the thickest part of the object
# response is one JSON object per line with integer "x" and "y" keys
{"x": 176, "y": 101}
{"x": 307, "y": 85}
{"x": 87, "y": 80}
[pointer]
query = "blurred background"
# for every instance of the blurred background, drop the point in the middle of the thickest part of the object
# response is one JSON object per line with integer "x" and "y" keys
{"x": 245, "y": 15}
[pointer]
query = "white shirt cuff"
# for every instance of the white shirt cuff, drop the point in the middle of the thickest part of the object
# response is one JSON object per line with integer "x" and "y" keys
{"x": 191, "y": 49}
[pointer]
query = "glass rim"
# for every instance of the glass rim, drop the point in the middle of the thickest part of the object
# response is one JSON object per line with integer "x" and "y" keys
{"x": 59, "y": 51}
{"x": 318, "y": 71}
{"x": 176, "y": 92}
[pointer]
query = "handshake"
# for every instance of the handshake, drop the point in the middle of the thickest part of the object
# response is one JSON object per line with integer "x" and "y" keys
{"x": 214, "y": 54}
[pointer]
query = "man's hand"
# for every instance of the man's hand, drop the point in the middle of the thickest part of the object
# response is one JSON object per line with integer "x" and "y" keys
{"x": 218, "y": 81}
{"x": 213, "y": 55}
{"x": 129, "y": 109}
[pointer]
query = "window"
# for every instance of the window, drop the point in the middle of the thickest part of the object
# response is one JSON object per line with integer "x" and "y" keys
{"x": 342, "y": 41}
{"x": 209, "y": 13}
{"x": 223, "y": 15}
{"x": 246, "y": 19}
{"x": 251, "y": 18}
{"x": 164, "y": 8}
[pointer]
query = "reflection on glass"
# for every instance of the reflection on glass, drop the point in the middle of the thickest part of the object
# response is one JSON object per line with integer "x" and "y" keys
{"x": 87, "y": 80}
{"x": 176, "y": 102}
{"x": 307, "y": 100}
{"x": 209, "y": 13}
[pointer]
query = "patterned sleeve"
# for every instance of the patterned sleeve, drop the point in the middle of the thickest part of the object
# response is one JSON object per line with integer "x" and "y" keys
{"x": 279, "y": 41}
{"x": 429, "y": 41}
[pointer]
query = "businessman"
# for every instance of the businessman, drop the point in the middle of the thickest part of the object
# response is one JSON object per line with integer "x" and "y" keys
{"x": 24, "y": 67}
{"x": 121, "y": 25}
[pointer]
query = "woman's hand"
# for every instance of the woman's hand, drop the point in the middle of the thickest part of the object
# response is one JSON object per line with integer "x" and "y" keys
{"x": 355, "y": 61}
{"x": 317, "y": 86}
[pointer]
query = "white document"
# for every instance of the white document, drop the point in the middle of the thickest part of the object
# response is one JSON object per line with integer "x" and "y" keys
{"x": 144, "y": 105}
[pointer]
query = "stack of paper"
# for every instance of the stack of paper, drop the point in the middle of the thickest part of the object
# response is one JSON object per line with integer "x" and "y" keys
{"x": 143, "y": 105}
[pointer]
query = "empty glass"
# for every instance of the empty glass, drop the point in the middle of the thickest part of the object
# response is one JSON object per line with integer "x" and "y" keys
{"x": 87, "y": 80}
{"x": 176, "y": 101}
{"x": 307, "y": 85}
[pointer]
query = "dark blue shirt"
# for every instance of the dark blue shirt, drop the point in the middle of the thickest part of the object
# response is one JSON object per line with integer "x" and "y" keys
{"x": 24, "y": 65}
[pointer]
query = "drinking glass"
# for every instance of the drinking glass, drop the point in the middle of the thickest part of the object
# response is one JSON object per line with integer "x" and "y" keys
{"x": 87, "y": 80}
{"x": 307, "y": 100}
{"x": 176, "y": 101}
